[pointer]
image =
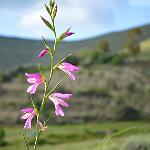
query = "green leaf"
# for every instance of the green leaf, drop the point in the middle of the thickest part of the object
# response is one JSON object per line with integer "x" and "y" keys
{"x": 61, "y": 61}
{"x": 53, "y": 89}
{"x": 40, "y": 69}
{"x": 48, "y": 10}
{"x": 34, "y": 104}
{"x": 46, "y": 45}
{"x": 47, "y": 24}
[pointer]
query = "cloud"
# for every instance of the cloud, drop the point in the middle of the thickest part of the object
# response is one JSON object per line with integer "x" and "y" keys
{"x": 82, "y": 15}
{"x": 76, "y": 13}
{"x": 31, "y": 17}
{"x": 88, "y": 18}
{"x": 66, "y": 14}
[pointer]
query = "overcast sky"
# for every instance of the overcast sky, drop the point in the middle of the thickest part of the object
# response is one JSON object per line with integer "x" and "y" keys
{"x": 88, "y": 18}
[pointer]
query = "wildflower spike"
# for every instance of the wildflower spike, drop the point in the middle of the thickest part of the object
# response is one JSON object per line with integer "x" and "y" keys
{"x": 52, "y": 3}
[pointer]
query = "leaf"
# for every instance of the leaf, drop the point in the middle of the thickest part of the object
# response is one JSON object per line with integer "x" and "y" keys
{"x": 48, "y": 10}
{"x": 53, "y": 89}
{"x": 34, "y": 104}
{"x": 47, "y": 24}
{"x": 61, "y": 61}
{"x": 46, "y": 45}
{"x": 40, "y": 69}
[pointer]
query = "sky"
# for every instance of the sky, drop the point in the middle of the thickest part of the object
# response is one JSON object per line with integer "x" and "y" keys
{"x": 88, "y": 18}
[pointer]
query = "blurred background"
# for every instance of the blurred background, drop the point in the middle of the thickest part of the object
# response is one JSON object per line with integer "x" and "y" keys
{"x": 110, "y": 109}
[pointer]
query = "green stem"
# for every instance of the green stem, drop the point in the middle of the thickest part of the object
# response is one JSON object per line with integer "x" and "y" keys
{"x": 36, "y": 140}
{"x": 37, "y": 134}
{"x": 46, "y": 88}
{"x": 54, "y": 88}
{"x": 25, "y": 141}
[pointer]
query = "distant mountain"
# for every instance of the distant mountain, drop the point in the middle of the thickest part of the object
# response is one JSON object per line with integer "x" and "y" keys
{"x": 17, "y": 51}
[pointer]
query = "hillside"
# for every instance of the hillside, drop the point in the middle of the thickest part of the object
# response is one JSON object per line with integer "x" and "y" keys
{"x": 103, "y": 90}
{"x": 15, "y": 51}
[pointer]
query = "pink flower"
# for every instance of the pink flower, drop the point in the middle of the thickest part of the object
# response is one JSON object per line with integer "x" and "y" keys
{"x": 57, "y": 99}
{"x": 28, "y": 115}
{"x": 43, "y": 52}
{"x": 68, "y": 34}
{"x": 68, "y": 68}
{"x": 36, "y": 79}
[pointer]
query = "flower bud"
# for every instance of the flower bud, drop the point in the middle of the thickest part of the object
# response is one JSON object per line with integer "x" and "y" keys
{"x": 54, "y": 11}
{"x": 52, "y": 3}
{"x": 42, "y": 127}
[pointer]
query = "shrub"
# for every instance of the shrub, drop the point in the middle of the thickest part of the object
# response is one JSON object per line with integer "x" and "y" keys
{"x": 95, "y": 91}
{"x": 2, "y": 136}
{"x": 104, "y": 45}
{"x": 73, "y": 60}
{"x": 127, "y": 113}
{"x": 4, "y": 77}
{"x": 118, "y": 59}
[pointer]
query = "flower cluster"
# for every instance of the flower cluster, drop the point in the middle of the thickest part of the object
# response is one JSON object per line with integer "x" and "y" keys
{"x": 37, "y": 79}
{"x": 57, "y": 98}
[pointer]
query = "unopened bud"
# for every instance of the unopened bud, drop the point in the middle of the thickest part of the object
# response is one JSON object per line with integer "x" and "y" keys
{"x": 54, "y": 11}
{"x": 52, "y": 3}
{"x": 42, "y": 127}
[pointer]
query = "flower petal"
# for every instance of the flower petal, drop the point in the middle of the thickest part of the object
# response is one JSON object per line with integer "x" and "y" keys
{"x": 53, "y": 99}
{"x": 28, "y": 123}
{"x": 27, "y": 110}
{"x": 32, "y": 89}
{"x": 25, "y": 116}
{"x": 33, "y": 75}
{"x": 43, "y": 53}
{"x": 70, "y": 67}
{"x": 29, "y": 120}
{"x": 63, "y": 96}
{"x": 69, "y": 34}
{"x": 35, "y": 80}
{"x": 62, "y": 102}
{"x": 58, "y": 110}
{"x": 71, "y": 76}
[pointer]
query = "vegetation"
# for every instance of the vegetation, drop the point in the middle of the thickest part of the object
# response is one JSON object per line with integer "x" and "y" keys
{"x": 104, "y": 46}
{"x": 12, "y": 54}
{"x": 2, "y": 136}
{"x": 118, "y": 90}
{"x": 133, "y": 45}
{"x": 99, "y": 136}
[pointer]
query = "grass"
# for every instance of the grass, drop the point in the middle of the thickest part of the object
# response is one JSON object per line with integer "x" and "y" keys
{"x": 92, "y": 136}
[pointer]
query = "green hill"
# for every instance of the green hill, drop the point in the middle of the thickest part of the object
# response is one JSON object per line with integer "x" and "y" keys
{"x": 17, "y": 51}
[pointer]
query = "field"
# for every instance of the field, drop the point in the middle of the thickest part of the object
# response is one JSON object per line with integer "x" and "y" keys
{"x": 96, "y": 136}
{"x": 111, "y": 96}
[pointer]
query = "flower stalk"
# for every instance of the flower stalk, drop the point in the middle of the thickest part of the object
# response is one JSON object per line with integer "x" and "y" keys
{"x": 36, "y": 79}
